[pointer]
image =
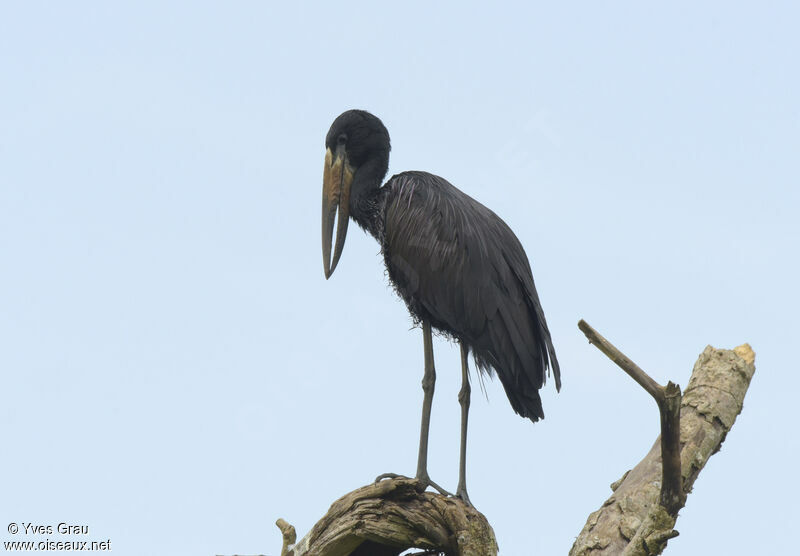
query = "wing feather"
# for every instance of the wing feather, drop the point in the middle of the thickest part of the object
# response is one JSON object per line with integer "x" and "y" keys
{"x": 458, "y": 265}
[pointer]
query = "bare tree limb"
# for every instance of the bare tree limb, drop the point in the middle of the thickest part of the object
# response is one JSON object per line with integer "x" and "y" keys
{"x": 672, "y": 496}
{"x": 390, "y": 516}
{"x": 289, "y": 535}
{"x": 651, "y": 386}
{"x": 632, "y": 522}
{"x": 668, "y": 400}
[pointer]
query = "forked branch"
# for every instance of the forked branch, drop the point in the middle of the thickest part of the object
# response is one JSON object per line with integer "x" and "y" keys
{"x": 639, "y": 517}
{"x": 668, "y": 399}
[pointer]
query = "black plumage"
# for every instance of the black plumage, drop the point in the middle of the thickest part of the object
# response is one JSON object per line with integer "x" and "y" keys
{"x": 453, "y": 261}
{"x": 457, "y": 264}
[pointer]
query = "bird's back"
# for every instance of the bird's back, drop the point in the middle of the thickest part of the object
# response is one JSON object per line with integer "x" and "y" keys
{"x": 458, "y": 265}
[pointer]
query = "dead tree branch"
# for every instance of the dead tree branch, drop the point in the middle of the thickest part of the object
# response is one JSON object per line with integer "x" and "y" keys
{"x": 668, "y": 399}
{"x": 388, "y": 517}
{"x": 638, "y": 519}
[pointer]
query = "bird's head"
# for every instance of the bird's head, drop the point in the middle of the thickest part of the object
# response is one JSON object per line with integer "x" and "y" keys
{"x": 356, "y": 156}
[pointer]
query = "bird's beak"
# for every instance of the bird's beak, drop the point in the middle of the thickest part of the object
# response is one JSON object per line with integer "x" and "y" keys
{"x": 336, "y": 181}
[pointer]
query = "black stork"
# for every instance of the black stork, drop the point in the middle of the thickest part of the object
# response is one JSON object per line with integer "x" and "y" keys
{"x": 458, "y": 267}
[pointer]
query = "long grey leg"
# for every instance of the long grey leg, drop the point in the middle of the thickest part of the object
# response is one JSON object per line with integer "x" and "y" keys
{"x": 428, "y": 383}
{"x": 463, "y": 399}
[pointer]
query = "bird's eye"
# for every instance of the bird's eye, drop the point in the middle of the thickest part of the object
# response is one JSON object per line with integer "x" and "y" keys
{"x": 342, "y": 139}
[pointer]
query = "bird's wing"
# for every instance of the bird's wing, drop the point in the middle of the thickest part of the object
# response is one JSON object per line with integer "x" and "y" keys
{"x": 458, "y": 264}
{"x": 433, "y": 256}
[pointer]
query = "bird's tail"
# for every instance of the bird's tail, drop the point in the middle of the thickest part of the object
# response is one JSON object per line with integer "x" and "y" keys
{"x": 520, "y": 390}
{"x": 525, "y": 400}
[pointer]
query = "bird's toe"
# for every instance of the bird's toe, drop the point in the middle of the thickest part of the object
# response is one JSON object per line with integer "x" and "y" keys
{"x": 462, "y": 494}
{"x": 383, "y": 476}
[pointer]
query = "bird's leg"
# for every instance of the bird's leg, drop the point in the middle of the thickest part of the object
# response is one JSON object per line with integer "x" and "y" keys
{"x": 428, "y": 383}
{"x": 463, "y": 399}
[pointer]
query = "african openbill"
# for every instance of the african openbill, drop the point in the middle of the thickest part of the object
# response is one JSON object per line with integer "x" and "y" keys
{"x": 458, "y": 267}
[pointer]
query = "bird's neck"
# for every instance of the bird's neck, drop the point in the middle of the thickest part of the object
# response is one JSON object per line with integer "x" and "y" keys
{"x": 367, "y": 198}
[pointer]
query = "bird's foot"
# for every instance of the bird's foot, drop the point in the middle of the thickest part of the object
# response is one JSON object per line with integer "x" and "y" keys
{"x": 461, "y": 492}
{"x": 424, "y": 480}
{"x": 383, "y": 476}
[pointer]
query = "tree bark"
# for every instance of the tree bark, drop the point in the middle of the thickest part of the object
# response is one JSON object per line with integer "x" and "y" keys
{"x": 391, "y": 516}
{"x": 632, "y": 521}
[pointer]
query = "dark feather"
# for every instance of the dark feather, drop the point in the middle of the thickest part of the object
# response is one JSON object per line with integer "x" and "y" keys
{"x": 458, "y": 265}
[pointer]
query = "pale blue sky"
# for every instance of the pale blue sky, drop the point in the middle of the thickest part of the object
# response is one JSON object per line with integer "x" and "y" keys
{"x": 176, "y": 371}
